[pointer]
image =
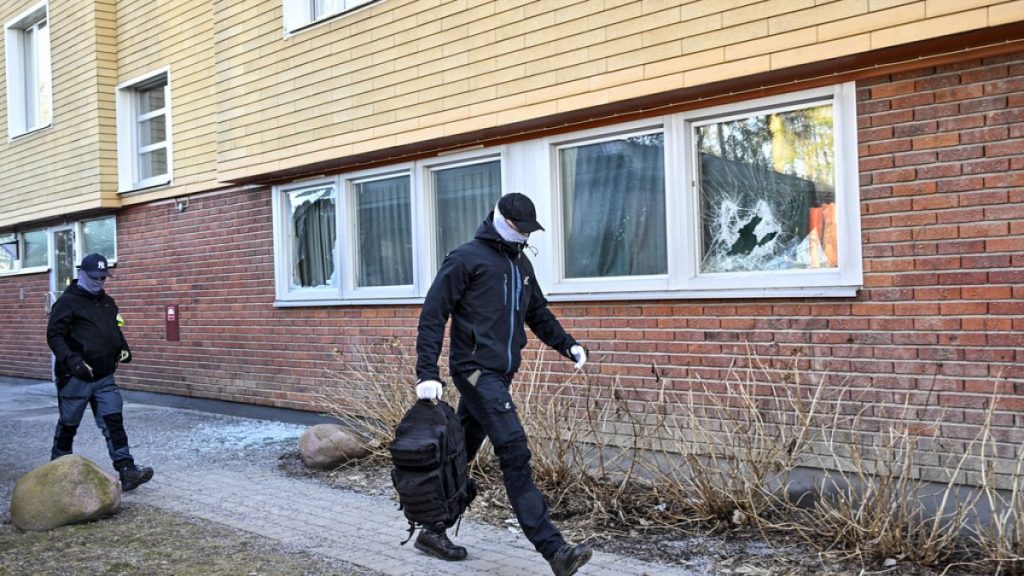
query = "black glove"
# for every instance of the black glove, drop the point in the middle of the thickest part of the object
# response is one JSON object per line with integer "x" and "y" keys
{"x": 81, "y": 370}
{"x": 125, "y": 357}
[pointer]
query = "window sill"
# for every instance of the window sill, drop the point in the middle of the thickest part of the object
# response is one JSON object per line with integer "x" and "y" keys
{"x": 11, "y": 138}
{"x": 24, "y": 271}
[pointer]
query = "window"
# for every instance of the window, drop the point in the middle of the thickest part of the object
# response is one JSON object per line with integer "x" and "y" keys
{"x": 301, "y": 13}
{"x": 383, "y": 231}
{"x": 29, "y": 87}
{"x": 24, "y": 251}
{"x": 144, "y": 132}
{"x": 613, "y": 206}
{"x": 755, "y": 199}
{"x": 29, "y": 251}
{"x": 312, "y": 223}
{"x": 463, "y": 195}
{"x": 99, "y": 235}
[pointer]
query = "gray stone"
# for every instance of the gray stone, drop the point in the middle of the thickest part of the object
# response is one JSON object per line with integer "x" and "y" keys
{"x": 328, "y": 445}
{"x": 68, "y": 490}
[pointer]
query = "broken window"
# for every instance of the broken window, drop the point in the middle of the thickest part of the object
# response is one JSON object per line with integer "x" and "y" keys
{"x": 767, "y": 191}
{"x": 313, "y": 237}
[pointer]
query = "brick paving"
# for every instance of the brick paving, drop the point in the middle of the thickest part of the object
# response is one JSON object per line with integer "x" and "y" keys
{"x": 223, "y": 469}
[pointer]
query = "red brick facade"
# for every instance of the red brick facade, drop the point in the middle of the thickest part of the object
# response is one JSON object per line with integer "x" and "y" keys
{"x": 939, "y": 321}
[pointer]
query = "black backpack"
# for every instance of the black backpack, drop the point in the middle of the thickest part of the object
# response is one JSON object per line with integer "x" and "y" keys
{"x": 430, "y": 471}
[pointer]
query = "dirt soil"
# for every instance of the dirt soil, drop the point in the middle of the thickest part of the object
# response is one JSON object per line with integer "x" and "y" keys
{"x": 144, "y": 540}
{"x": 741, "y": 551}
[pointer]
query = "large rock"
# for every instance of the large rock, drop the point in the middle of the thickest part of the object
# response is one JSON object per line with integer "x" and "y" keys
{"x": 328, "y": 445}
{"x": 68, "y": 490}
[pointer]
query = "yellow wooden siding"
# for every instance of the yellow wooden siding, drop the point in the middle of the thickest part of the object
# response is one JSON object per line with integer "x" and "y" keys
{"x": 179, "y": 36}
{"x": 401, "y": 71}
{"x": 57, "y": 169}
{"x": 96, "y": 45}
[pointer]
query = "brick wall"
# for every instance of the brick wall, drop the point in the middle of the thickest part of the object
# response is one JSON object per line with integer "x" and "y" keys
{"x": 939, "y": 323}
{"x": 23, "y": 326}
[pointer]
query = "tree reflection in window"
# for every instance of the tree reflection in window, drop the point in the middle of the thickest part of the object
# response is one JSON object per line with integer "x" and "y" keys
{"x": 767, "y": 191}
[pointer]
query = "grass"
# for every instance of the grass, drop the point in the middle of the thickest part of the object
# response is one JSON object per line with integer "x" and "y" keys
{"x": 143, "y": 540}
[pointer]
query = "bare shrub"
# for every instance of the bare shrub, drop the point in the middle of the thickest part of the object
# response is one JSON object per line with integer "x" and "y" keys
{"x": 714, "y": 455}
{"x": 375, "y": 387}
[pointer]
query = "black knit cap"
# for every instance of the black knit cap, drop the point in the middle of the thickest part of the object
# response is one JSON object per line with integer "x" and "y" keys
{"x": 519, "y": 209}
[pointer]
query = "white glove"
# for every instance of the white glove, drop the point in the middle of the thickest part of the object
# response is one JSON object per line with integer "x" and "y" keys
{"x": 579, "y": 355}
{"x": 429, "y": 390}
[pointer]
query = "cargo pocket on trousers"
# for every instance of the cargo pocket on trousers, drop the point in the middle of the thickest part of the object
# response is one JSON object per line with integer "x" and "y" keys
{"x": 506, "y": 421}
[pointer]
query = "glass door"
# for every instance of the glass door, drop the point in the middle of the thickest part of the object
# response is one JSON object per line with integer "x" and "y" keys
{"x": 64, "y": 260}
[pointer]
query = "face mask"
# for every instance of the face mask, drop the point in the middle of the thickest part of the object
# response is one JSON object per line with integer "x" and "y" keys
{"x": 506, "y": 231}
{"x": 90, "y": 284}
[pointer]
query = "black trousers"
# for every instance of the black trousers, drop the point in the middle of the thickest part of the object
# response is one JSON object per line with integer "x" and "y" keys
{"x": 486, "y": 410}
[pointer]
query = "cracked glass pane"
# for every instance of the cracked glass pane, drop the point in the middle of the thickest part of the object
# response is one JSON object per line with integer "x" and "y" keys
{"x": 313, "y": 237}
{"x": 767, "y": 192}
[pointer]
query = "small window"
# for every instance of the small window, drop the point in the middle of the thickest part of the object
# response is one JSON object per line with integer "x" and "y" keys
{"x": 29, "y": 86}
{"x": 99, "y": 235}
{"x": 37, "y": 247}
{"x": 613, "y": 206}
{"x": 383, "y": 232}
{"x": 463, "y": 195}
{"x": 144, "y": 135}
{"x": 8, "y": 252}
{"x": 312, "y": 222}
{"x": 301, "y": 13}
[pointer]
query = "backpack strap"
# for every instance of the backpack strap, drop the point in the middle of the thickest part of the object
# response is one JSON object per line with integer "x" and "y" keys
{"x": 412, "y": 530}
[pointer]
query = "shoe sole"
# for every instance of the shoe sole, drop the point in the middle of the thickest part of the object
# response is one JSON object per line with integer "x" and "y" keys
{"x": 146, "y": 477}
{"x": 435, "y": 553}
{"x": 583, "y": 559}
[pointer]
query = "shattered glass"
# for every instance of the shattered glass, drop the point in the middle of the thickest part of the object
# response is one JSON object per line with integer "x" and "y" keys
{"x": 767, "y": 192}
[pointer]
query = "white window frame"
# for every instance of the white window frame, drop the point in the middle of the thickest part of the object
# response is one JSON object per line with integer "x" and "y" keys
{"x": 301, "y": 14}
{"x": 554, "y": 274}
{"x": 79, "y": 229}
{"x": 18, "y": 83}
{"x": 283, "y": 262}
{"x": 347, "y": 230}
{"x": 832, "y": 281}
{"x": 532, "y": 167}
{"x": 129, "y": 148}
{"x": 430, "y": 222}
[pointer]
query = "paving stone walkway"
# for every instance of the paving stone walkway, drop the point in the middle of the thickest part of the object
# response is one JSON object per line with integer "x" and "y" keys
{"x": 224, "y": 469}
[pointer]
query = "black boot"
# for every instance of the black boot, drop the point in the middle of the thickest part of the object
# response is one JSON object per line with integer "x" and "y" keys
{"x": 434, "y": 541}
{"x": 569, "y": 559}
{"x": 131, "y": 476}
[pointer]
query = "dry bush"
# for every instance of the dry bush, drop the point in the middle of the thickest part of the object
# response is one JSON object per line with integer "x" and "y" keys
{"x": 714, "y": 455}
{"x": 1000, "y": 539}
{"x": 376, "y": 386}
{"x": 873, "y": 503}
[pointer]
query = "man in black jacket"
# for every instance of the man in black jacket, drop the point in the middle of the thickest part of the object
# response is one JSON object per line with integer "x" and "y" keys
{"x": 488, "y": 289}
{"x": 84, "y": 332}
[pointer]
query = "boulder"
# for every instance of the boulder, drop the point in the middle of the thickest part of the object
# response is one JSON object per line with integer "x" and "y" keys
{"x": 68, "y": 490}
{"x": 328, "y": 445}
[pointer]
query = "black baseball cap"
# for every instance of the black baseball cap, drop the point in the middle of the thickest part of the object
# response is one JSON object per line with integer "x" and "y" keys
{"x": 95, "y": 265}
{"x": 519, "y": 209}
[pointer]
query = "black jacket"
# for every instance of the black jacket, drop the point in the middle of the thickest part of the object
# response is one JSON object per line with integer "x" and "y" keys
{"x": 84, "y": 326}
{"x": 488, "y": 288}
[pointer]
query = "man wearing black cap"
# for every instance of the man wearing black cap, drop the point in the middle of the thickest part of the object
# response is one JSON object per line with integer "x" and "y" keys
{"x": 84, "y": 332}
{"x": 488, "y": 289}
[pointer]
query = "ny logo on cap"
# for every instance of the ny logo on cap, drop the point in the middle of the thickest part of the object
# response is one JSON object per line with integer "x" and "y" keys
{"x": 101, "y": 265}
